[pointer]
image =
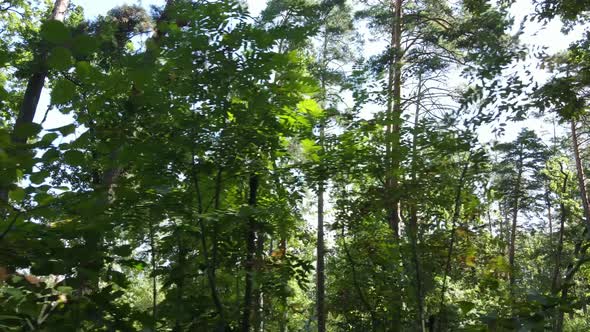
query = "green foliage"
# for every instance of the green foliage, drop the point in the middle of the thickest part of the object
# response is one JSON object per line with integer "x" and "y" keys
{"x": 178, "y": 197}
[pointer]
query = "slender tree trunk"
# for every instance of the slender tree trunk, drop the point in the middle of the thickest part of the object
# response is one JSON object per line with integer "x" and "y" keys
{"x": 392, "y": 150}
{"x": 320, "y": 296}
{"x": 179, "y": 282}
{"x": 413, "y": 225}
{"x": 556, "y": 280}
{"x": 394, "y": 119}
{"x": 581, "y": 176}
{"x": 284, "y": 317}
{"x": 438, "y": 323}
{"x": 356, "y": 284}
{"x": 563, "y": 212}
{"x": 258, "y": 307}
{"x": 488, "y": 208}
{"x": 320, "y": 249}
{"x": 549, "y": 212}
{"x": 515, "y": 209}
{"x": 152, "y": 234}
{"x": 503, "y": 221}
{"x": 210, "y": 262}
{"x": 250, "y": 258}
{"x": 35, "y": 84}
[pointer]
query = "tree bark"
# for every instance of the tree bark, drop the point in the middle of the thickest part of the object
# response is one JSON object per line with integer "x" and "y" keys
{"x": 515, "y": 209}
{"x": 152, "y": 234}
{"x": 455, "y": 220}
{"x": 393, "y": 121}
{"x": 179, "y": 305}
{"x": 356, "y": 284}
{"x": 210, "y": 270}
{"x": 35, "y": 84}
{"x": 320, "y": 296}
{"x": 556, "y": 280}
{"x": 581, "y": 176}
{"x": 549, "y": 212}
{"x": 320, "y": 246}
{"x": 250, "y": 257}
{"x": 413, "y": 225}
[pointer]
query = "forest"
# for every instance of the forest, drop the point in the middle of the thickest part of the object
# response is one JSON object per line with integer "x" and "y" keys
{"x": 314, "y": 165}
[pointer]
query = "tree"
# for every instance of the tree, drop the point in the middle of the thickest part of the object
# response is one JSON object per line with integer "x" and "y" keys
{"x": 522, "y": 161}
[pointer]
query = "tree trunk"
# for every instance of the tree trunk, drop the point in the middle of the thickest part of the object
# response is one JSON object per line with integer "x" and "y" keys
{"x": 392, "y": 149}
{"x": 152, "y": 234}
{"x": 209, "y": 263}
{"x": 581, "y": 176}
{"x": 394, "y": 119}
{"x": 356, "y": 284}
{"x": 320, "y": 296}
{"x": 549, "y": 212}
{"x": 179, "y": 305}
{"x": 258, "y": 307}
{"x": 556, "y": 280}
{"x": 455, "y": 220}
{"x": 413, "y": 225}
{"x": 515, "y": 208}
{"x": 320, "y": 249}
{"x": 35, "y": 84}
{"x": 250, "y": 257}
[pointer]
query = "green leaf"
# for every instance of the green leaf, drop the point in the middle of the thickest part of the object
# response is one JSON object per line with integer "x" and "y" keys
{"x": 60, "y": 58}
{"x": 74, "y": 157}
{"x": 122, "y": 251}
{"x": 500, "y": 264}
{"x": 311, "y": 107}
{"x": 83, "y": 69}
{"x": 48, "y": 139}
{"x": 17, "y": 194}
{"x": 4, "y": 137}
{"x": 65, "y": 289}
{"x": 141, "y": 77}
{"x": 55, "y": 32}
{"x": 84, "y": 45}
{"x": 466, "y": 306}
{"x": 62, "y": 92}
{"x": 27, "y": 130}
{"x": 43, "y": 198}
{"x": 39, "y": 177}
{"x": 50, "y": 155}
{"x": 65, "y": 130}
{"x": 310, "y": 149}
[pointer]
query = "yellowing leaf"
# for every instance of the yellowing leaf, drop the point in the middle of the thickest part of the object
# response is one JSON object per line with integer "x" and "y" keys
{"x": 470, "y": 260}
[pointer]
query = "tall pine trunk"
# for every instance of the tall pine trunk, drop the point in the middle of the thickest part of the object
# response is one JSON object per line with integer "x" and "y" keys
{"x": 513, "y": 228}
{"x": 413, "y": 225}
{"x": 392, "y": 148}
